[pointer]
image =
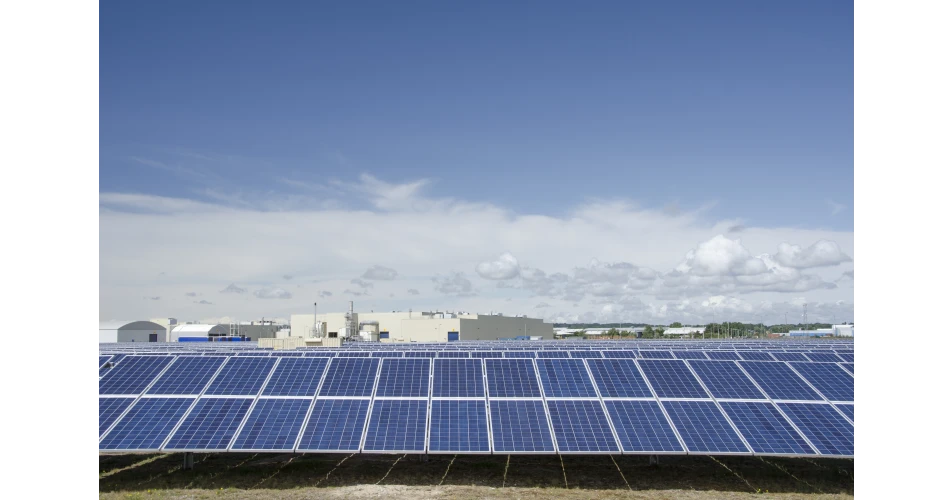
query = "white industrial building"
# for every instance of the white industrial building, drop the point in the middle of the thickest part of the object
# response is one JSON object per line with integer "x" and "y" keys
{"x": 684, "y": 331}
{"x": 417, "y": 326}
{"x": 835, "y": 331}
{"x": 136, "y": 331}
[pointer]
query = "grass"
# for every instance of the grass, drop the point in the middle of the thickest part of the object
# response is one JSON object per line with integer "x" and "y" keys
{"x": 470, "y": 476}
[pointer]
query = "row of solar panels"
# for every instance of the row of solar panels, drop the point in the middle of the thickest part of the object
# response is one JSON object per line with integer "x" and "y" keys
{"x": 194, "y": 403}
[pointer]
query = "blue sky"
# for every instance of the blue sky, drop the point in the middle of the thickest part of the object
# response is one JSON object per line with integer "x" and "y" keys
{"x": 686, "y": 125}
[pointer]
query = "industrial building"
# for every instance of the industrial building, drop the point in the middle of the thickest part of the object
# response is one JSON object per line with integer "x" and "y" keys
{"x": 684, "y": 331}
{"x": 835, "y": 331}
{"x": 136, "y": 331}
{"x": 417, "y": 326}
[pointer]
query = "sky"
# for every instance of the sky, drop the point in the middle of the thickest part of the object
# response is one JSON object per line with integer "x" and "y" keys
{"x": 619, "y": 161}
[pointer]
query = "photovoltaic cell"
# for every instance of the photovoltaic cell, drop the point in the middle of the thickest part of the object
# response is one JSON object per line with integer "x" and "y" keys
{"x": 672, "y": 379}
{"x": 242, "y": 376}
{"x": 642, "y": 427}
{"x": 823, "y": 357}
{"x": 335, "y": 425}
{"x": 133, "y": 375}
{"x": 848, "y": 410}
{"x": 453, "y": 354}
{"x": 520, "y": 426}
{"x": 689, "y": 355}
{"x": 765, "y": 429}
{"x": 296, "y": 377}
{"x": 848, "y": 367}
{"x": 755, "y": 356}
{"x": 552, "y": 354}
{"x": 458, "y": 378}
{"x": 656, "y": 354}
{"x": 187, "y": 375}
{"x": 210, "y": 425}
{"x": 274, "y": 425}
{"x": 581, "y": 426}
{"x": 404, "y": 377}
{"x": 723, "y": 355}
{"x": 823, "y": 426}
{"x": 146, "y": 425}
{"x": 458, "y": 426}
{"x": 110, "y": 409}
{"x": 512, "y": 378}
{"x": 779, "y": 381}
{"x": 320, "y": 354}
{"x": 386, "y": 354}
{"x": 519, "y": 354}
{"x": 419, "y": 354}
{"x": 828, "y": 378}
{"x": 565, "y": 378}
{"x": 789, "y": 356}
{"x": 103, "y": 359}
{"x": 350, "y": 377}
{"x": 703, "y": 427}
{"x": 397, "y": 425}
{"x": 725, "y": 380}
{"x": 485, "y": 354}
{"x": 847, "y": 356}
{"x": 585, "y": 354}
{"x": 619, "y": 354}
{"x": 619, "y": 378}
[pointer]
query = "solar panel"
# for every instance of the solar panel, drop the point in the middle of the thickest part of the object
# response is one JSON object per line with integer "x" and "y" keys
{"x": 552, "y": 354}
{"x": 336, "y": 425}
{"x": 689, "y": 355}
{"x": 619, "y": 354}
{"x": 703, "y": 427}
{"x": 353, "y": 354}
{"x": 656, "y": 354}
{"x": 848, "y": 410}
{"x": 133, "y": 375}
{"x": 273, "y": 425}
{"x": 581, "y": 426}
{"x": 565, "y": 378}
{"x": 723, "y": 355}
{"x": 241, "y": 376}
{"x": 828, "y": 378}
{"x": 848, "y": 367}
{"x": 672, "y": 379}
{"x": 520, "y": 426}
{"x": 847, "y": 356}
{"x": 350, "y": 377}
{"x": 296, "y": 377}
{"x": 755, "y": 356}
{"x": 458, "y": 378}
{"x": 397, "y": 425}
{"x": 789, "y": 356}
{"x": 642, "y": 427}
{"x": 823, "y": 426}
{"x": 320, "y": 354}
{"x": 110, "y": 409}
{"x": 404, "y": 377}
{"x": 823, "y": 357}
{"x": 187, "y": 375}
{"x": 453, "y": 354}
{"x": 386, "y": 354}
{"x": 485, "y": 354}
{"x": 586, "y": 354}
{"x": 148, "y": 423}
{"x": 210, "y": 425}
{"x": 419, "y": 354}
{"x": 511, "y": 378}
{"x": 103, "y": 359}
{"x": 519, "y": 354}
{"x": 725, "y": 380}
{"x": 619, "y": 378}
{"x": 765, "y": 429}
{"x": 458, "y": 426}
{"x": 779, "y": 381}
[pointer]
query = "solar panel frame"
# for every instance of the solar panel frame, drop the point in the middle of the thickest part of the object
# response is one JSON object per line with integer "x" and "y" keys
{"x": 576, "y": 435}
{"x": 284, "y": 383}
{"x": 633, "y": 385}
{"x": 242, "y": 376}
{"x": 507, "y": 438}
{"x": 779, "y": 381}
{"x": 672, "y": 379}
{"x": 760, "y": 423}
{"x": 655, "y": 354}
{"x": 395, "y": 439}
{"x": 847, "y": 409}
{"x": 502, "y": 375}
{"x": 146, "y": 425}
{"x": 648, "y": 415}
{"x": 565, "y": 378}
{"x": 273, "y": 424}
{"x": 823, "y": 357}
{"x": 115, "y": 408}
{"x": 187, "y": 375}
{"x": 146, "y": 370}
{"x": 722, "y": 379}
{"x": 446, "y": 414}
{"x": 827, "y": 429}
{"x": 341, "y": 412}
{"x": 755, "y": 356}
{"x": 217, "y": 430}
{"x": 458, "y": 378}
{"x": 338, "y": 382}
{"x": 828, "y": 379}
{"x": 690, "y": 418}
{"x": 723, "y": 355}
{"x": 404, "y": 377}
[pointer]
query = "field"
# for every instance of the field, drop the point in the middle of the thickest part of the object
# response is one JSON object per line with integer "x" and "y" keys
{"x": 232, "y": 475}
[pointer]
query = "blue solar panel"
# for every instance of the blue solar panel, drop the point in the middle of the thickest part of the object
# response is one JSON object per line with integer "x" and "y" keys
{"x": 789, "y": 356}
{"x": 458, "y": 426}
{"x": 353, "y": 354}
{"x": 642, "y": 427}
{"x": 146, "y": 425}
{"x": 241, "y": 376}
{"x": 458, "y": 378}
{"x": 552, "y": 354}
{"x": 656, "y": 354}
{"x": 485, "y": 354}
{"x": 273, "y": 425}
{"x": 103, "y": 359}
{"x": 672, "y": 379}
{"x": 511, "y": 378}
{"x": 404, "y": 377}
{"x": 320, "y": 354}
{"x": 723, "y": 355}
{"x": 847, "y": 356}
{"x": 823, "y": 426}
{"x": 586, "y": 354}
{"x": 350, "y": 377}
{"x": 386, "y": 354}
{"x": 397, "y": 425}
{"x": 823, "y": 357}
{"x": 296, "y": 377}
{"x": 520, "y": 426}
{"x": 689, "y": 355}
{"x": 779, "y": 381}
{"x": 110, "y": 409}
{"x": 133, "y": 375}
{"x": 565, "y": 378}
{"x": 703, "y": 427}
{"x": 581, "y": 426}
{"x": 619, "y": 354}
{"x": 765, "y": 429}
{"x": 725, "y": 380}
{"x": 848, "y": 367}
{"x": 619, "y": 378}
{"x": 453, "y": 354}
{"x": 187, "y": 375}
{"x": 335, "y": 425}
{"x": 519, "y": 354}
{"x": 848, "y": 410}
{"x": 828, "y": 378}
{"x": 755, "y": 356}
{"x": 210, "y": 425}
{"x": 419, "y": 354}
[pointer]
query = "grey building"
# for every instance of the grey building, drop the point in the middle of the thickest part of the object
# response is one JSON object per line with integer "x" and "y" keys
{"x": 141, "y": 331}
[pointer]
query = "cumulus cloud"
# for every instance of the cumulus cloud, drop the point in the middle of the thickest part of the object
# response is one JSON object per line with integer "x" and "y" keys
{"x": 820, "y": 254}
{"x": 380, "y": 273}
{"x": 325, "y": 293}
{"x": 503, "y": 267}
{"x": 457, "y": 284}
{"x": 233, "y": 288}
{"x": 413, "y": 291}
{"x": 272, "y": 292}
{"x": 721, "y": 256}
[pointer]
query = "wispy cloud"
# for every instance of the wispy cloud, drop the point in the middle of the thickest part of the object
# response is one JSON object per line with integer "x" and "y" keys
{"x": 835, "y": 207}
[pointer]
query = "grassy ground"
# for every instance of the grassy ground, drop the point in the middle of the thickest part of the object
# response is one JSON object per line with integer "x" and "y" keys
{"x": 470, "y": 477}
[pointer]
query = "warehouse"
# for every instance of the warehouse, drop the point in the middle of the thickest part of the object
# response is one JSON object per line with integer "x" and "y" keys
{"x": 136, "y": 331}
{"x": 417, "y": 326}
{"x": 195, "y": 331}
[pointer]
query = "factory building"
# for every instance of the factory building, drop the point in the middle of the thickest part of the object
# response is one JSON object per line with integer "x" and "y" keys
{"x": 417, "y": 326}
{"x": 198, "y": 331}
{"x": 836, "y": 331}
{"x": 684, "y": 331}
{"x": 137, "y": 331}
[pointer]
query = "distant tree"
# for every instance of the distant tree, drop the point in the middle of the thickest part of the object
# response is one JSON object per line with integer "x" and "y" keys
{"x": 648, "y": 333}
{"x": 659, "y": 333}
{"x": 612, "y": 333}
{"x": 676, "y": 325}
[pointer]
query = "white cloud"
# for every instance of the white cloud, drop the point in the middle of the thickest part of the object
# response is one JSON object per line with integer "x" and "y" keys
{"x": 380, "y": 273}
{"x": 413, "y": 291}
{"x": 835, "y": 207}
{"x": 457, "y": 284}
{"x": 361, "y": 283}
{"x": 325, "y": 293}
{"x": 272, "y": 292}
{"x": 820, "y": 254}
{"x": 503, "y": 267}
{"x": 233, "y": 288}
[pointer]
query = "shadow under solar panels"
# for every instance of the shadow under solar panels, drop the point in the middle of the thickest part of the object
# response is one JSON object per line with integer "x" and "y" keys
{"x": 210, "y": 425}
{"x": 642, "y": 427}
{"x": 581, "y": 427}
{"x": 829, "y": 432}
{"x": 146, "y": 425}
{"x": 458, "y": 426}
{"x": 703, "y": 427}
{"x": 335, "y": 425}
{"x": 396, "y": 426}
{"x": 520, "y": 426}
{"x": 273, "y": 425}
{"x": 765, "y": 429}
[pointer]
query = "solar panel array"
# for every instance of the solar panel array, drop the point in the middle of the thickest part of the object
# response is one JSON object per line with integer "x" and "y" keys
{"x": 709, "y": 398}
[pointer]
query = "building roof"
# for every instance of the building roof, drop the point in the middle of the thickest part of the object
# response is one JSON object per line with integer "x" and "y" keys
{"x": 199, "y": 329}
{"x": 684, "y": 330}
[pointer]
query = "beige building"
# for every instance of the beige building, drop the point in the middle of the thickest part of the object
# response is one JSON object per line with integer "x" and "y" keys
{"x": 418, "y": 326}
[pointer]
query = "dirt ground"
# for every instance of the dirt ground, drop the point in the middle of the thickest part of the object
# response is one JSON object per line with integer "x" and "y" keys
{"x": 471, "y": 477}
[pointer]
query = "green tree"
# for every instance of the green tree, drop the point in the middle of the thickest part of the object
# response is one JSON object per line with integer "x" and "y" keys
{"x": 612, "y": 333}
{"x": 649, "y": 333}
{"x": 676, "y": 325}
